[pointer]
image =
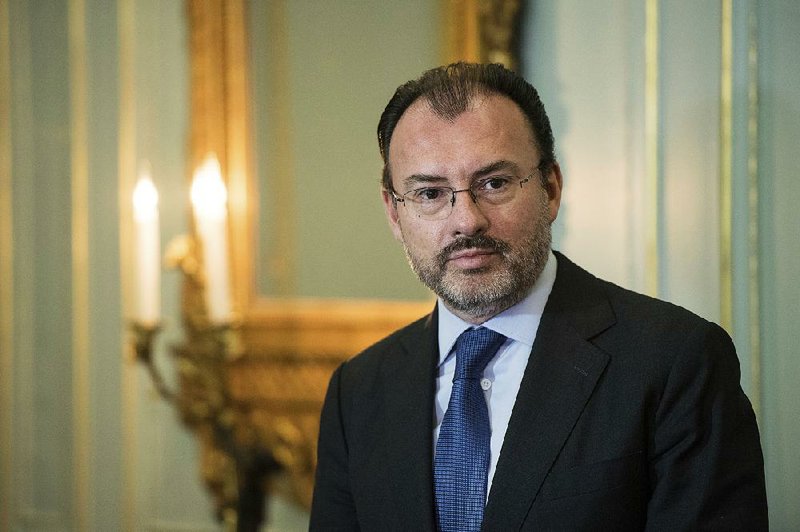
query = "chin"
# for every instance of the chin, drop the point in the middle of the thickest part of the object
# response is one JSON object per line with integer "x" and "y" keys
{"x": 476, "y": 289}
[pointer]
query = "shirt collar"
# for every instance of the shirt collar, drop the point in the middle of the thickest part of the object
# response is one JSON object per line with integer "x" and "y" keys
{"x": 514, "y": 322}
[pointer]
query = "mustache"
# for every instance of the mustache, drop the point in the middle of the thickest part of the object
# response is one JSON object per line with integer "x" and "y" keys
{"x": 472, "y": 242}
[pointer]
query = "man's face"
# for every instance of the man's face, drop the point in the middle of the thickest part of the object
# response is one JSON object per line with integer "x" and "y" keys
{"x": 482, "y": 258}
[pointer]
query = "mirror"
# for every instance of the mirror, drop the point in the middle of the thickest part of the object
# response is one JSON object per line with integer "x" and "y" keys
{"x": 288, "y": 95}
{"x": 319, "y": 82}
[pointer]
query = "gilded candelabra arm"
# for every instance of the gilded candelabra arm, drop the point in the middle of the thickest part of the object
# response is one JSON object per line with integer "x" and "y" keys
{"x": 181, "y": 254}
{"x": 143, "y": 336}
{"x": 234, "y": 466}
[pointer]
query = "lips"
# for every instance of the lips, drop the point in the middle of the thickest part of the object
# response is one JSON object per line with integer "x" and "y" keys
{"x": 472, "y": 252}
{"x": 470, "y": 259}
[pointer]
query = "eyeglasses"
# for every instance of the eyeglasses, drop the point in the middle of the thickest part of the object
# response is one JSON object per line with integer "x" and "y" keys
{"x": 436, "y": 203}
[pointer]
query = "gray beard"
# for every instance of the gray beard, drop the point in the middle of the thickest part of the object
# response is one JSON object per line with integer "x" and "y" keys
{"x": 466, "y": 292}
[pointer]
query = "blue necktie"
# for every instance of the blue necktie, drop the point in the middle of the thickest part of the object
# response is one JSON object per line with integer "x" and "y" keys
{"x": 461, "y": 462}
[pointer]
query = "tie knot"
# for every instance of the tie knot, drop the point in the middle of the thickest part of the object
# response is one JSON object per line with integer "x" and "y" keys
{"x": 474, "y": 349}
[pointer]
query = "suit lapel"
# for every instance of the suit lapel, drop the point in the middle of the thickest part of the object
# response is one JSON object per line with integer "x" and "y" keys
{"x": 561, "y": 374}
{"x": 410, "y": 387}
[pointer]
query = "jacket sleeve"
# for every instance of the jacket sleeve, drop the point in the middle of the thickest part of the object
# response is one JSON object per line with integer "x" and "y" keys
{"x": 706, "y": 465}
{"x": 332, "y": 506}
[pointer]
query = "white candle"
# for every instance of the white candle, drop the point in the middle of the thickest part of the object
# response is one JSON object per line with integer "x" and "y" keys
{"x": 148, "y": 249}
{"x": 209, "y": 198}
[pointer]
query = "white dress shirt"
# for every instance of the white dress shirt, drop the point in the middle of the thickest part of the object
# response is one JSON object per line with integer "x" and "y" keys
{"x": 503, "y": 375}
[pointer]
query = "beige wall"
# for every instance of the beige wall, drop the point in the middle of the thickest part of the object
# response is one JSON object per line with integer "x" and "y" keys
{"x": 664, "y": 113}
{"x": 95, "y": 86}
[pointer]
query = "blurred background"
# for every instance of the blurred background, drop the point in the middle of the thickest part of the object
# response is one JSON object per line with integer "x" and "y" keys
{"x": 676, "y": 124}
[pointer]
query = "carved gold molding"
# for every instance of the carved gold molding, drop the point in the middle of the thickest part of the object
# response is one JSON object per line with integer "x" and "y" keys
{"x": 481, "y": 31}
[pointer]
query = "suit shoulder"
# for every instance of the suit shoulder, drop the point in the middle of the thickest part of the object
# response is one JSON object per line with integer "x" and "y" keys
{"x": 627, "y": 304}
{"x": 663, "y": 334}
{"x": 639, "y": 318}
{"x": 653, "y": 313}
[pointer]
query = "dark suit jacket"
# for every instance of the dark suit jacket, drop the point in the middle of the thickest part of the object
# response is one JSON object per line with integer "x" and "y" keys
{"x": 630, "y": 416}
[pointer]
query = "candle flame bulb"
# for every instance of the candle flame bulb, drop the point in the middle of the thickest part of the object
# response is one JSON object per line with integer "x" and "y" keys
{"x": 209, "y": 194}
{"x": 209, "y": 197}
{"x": 145, "y": 199}
{"x": 147, "y": 255}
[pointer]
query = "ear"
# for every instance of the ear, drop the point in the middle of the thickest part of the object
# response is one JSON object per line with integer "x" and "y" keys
{"x": 553, "y": 186}
{"x": 390, "y": 208}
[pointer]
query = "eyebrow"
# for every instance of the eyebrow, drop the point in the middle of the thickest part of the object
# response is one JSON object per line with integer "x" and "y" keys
{"x": 494, "y": 167}
{"x": 490, "y": 168}
{"x": 416, "y": 179}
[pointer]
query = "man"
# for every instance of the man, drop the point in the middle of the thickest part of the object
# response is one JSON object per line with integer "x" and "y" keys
{"x": 568, "y": 403}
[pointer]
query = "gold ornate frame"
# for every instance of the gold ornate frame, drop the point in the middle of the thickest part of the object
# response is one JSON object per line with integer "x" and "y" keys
{"x": 286, "y": 349}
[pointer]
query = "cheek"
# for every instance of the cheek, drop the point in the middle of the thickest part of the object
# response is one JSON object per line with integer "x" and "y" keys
{"x": 507, "y": 226}
{"x": 518, "y": 226}
{"x": 419, "y": 238}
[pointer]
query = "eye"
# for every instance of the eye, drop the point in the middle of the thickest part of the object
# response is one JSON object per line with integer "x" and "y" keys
{"x": 493, "y": 184}
{"x": 428, "y": 194}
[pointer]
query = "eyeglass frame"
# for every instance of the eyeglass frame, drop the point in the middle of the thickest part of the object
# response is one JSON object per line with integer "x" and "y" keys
{"x": 473, "y": 195}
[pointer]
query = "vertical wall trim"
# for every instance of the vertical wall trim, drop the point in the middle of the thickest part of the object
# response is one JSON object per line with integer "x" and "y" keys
{"x": 126, "y": 20}
{"x": 282, "y": 257}
{"x": 754, "y": 288}
{"x": 6, "y": 276}
{"x": 726, "y": 168}
{"x": 81, "y": 382}
{"x": 652, "y": 153}
{"x": 24, "y": 315}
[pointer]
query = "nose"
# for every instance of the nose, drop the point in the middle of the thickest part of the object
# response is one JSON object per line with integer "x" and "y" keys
{"x": 467, "y": 218}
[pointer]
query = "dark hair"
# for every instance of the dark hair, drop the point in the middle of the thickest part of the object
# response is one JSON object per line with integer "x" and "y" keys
{"x": 450, "y": 89}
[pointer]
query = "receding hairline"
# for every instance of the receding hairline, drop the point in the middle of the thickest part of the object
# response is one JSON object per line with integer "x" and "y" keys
{"x": 476, "y": 97}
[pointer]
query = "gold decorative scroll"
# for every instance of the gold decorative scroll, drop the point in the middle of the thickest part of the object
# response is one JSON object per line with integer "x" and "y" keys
{"x": 481, "y": 31}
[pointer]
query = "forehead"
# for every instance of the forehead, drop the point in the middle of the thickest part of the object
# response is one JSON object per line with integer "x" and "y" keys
{"x": 493, "y": 128}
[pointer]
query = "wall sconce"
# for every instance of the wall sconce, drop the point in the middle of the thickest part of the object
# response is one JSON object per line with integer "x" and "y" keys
{"x": 201, "y": 396}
